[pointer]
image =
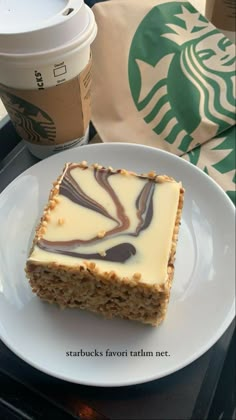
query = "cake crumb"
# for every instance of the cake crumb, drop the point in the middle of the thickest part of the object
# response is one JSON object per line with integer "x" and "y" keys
{"x": 101, "y": 234}
{"x": 103, "y": 253}
{"x": 137, "y": 276}
{"x": 52, "y": 204}
{"x": 92, "y": 265}
{"x": 152, "y": 174}
{"x": 112, "y": 275}
{"x": 61, "y": 221}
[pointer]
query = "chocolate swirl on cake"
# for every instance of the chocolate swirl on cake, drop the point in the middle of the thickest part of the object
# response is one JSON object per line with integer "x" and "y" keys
{"x": 118, "y": 253}
{"x": 121, "y": 252}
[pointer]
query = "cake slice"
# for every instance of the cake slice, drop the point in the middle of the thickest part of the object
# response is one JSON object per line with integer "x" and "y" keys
{"x": 106, "y": 242}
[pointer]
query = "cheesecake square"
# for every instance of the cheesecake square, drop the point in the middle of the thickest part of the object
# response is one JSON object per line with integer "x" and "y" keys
{"x": 106, "y": 242}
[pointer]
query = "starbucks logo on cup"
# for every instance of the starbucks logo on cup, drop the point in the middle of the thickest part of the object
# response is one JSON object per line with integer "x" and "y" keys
{"x": 30, "y": 121}
{"x": 182, "y": 75}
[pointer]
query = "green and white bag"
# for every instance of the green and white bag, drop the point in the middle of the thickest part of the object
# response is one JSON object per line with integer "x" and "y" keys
{"x": 165, "y": 77}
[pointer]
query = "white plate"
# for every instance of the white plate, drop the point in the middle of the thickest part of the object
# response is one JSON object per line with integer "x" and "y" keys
{"x": 202, "y": 298}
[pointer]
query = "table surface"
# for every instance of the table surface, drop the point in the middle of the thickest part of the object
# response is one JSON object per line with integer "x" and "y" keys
{"x": 186, "y": 394}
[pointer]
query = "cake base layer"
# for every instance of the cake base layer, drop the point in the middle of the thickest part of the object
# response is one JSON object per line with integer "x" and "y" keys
{"x": 106, "y": 295}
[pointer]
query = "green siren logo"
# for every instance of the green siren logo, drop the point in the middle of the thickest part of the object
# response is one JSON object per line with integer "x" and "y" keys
{"x": 182, "y": 75}
{"x": 30, "y": 121}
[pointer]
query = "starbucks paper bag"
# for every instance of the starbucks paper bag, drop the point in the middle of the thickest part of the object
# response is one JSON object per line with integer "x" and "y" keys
{"x": 163, "y": 75}
{"x": 217, "y": 157}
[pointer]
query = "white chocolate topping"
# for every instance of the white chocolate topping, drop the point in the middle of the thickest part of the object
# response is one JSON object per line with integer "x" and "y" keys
{"x": 122, "y": 222}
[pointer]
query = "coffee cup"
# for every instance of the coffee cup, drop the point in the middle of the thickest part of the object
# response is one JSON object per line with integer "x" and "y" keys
{"x": 45, "y": 71}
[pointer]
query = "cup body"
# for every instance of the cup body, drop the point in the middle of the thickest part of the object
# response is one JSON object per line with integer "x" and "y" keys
{"x": 45, "y": 78}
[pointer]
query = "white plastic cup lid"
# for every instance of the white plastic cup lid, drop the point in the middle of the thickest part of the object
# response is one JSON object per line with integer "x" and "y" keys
{"x": 31, "y": 27}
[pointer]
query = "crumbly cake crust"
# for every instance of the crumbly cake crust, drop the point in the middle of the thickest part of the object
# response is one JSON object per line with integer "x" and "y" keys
{"x": 88, "y": 287}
